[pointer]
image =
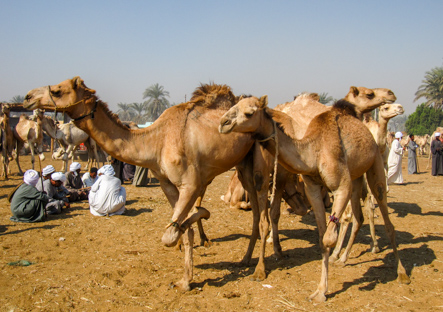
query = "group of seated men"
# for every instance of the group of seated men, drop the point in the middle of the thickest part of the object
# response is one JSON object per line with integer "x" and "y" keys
{"x": 49, "y": 194}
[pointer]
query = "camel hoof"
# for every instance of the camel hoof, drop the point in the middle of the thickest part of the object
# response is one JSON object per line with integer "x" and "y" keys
{"x": 182, "y": 285}
{"x": 339, "y": 263}
{"x": 258, "y": 276}
{"x": 375, "y": 250}
{"x": 332, "y": 259}
{"x": 279, "y": 255}
{"x": 403, "y": 279}
{"x": 243, "y": 263}
{"x": 207, "y": 243}
{"x": 317, "y": 297}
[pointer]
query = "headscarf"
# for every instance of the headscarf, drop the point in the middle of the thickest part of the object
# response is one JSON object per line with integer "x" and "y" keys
{"x": 398, "y": 135}
{"x": 108, "y": 170}
{"x": 31, "y": 177}
{"x": 58, "y": 176}
{"x": 48, "y": 170}
{"x": 437, "y": 134}
{"x": 74, "y": 167}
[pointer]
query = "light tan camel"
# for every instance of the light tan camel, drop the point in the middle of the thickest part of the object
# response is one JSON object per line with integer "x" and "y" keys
{"x": 7, "y": 141}
{"x": 336, "y": 151}
{"x": 379, "y": 132}
{"x": 236, "y": 196}
{"x": 28, "y": 133}
{"x": 183, "y": 148}
{"x": 422, "y": 141}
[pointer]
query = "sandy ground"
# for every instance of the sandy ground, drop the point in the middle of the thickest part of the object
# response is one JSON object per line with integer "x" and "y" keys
{"x": 86, "y": 263}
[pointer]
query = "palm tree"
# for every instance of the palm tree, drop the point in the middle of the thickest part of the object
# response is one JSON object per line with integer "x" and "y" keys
{"x": 17, "y": 99}
{"x": 157, "y": 102}
{"x": 432, "y": 88}
{"x": 324, "y": 98}
{"x": 124, "y": 113}
{"x": 139, "y": 109}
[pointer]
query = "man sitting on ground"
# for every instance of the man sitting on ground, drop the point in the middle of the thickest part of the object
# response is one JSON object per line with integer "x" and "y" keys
{"x": 27, "y": 203}
{"x": 90, "y": 177}
{"x": 107, "y": 196}
{"x": 74, "y": 183}
{"x": 56, "y": 192}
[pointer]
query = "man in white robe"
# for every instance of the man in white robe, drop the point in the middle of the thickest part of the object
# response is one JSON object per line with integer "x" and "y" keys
{"x": 395, "y": 175}
{"x": 107, "y": 196}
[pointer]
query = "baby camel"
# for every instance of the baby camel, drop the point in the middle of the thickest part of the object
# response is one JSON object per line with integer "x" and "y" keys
{"x": 336, "y": 151}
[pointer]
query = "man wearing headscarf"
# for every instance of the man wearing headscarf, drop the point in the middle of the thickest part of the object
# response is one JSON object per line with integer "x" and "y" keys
{"x": 27, "y": 203}
{"x": 412, "y": 155}
{"x": 107, "y": 196}
{"x": 53, "y": 187}
{"x": 437, "y": 155}
{"x": 74, "y": 183}
{"x": 90, "y": 177}
{"x": 394, "y": 161}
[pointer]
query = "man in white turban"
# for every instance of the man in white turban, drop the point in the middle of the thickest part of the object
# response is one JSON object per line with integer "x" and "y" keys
{"x": 53, "y": 187}
{"x": 437, "y": 155}
{"x": 74, "y": 183}
{"x": 107, "y": 196}
{"x": 27, "y": 203}
{"x": 394, "y": 161}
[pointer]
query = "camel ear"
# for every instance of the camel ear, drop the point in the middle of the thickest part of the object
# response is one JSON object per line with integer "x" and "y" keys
{"x": 240, "y": 98}
{"x": 354, "y": 90}
{"x": 263, "y": 102}
{"x": 78, "y": 82}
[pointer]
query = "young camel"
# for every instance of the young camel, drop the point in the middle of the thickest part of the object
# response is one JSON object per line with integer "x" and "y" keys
{"x": 379, "y": 132}
{"x": 183, "y": 148}
{"x": 8, "y": 141}
{"x": 28, "y": 133}
{"x": 336, "y": 151}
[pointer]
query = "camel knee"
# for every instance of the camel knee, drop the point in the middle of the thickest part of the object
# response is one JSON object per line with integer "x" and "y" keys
{"x": 258, "y": 181}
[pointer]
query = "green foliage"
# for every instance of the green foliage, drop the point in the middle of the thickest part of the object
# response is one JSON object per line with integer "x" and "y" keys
{"x": 157, "y": 102}
{"x": 432, "y": 88}
{"x": 17, "y": 99}
{"x": 424, "y": 120}
{"x": 325, "y": 98}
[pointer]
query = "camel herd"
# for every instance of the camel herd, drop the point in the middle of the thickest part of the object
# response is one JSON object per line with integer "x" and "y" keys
{"x": 28, "y": 133}
{"x": 303, "y": 147}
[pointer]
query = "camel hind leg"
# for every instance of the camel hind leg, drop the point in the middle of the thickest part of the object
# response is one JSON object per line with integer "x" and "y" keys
{"x": 377, "y": 184}
{"x": 345, "y": 221}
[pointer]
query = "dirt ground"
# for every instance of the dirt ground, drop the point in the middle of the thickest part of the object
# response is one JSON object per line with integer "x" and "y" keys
{"x": 86, "y": 263}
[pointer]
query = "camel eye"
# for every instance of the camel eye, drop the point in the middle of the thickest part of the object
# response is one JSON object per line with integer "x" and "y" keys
{"x": 56, "y": 93}
{"x": 249, "y": 113}
{"x": 370, "y": 96}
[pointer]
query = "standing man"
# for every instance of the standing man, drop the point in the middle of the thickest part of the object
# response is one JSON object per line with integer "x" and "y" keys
{"x": 412, "y": 155}
{"x": 437, "y": 155}
{"x": 394, "y": 161}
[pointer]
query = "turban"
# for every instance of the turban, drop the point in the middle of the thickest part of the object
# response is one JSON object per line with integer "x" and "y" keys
{"x": 31, "y": 177}
{"x": 48, "y": 170}
{"x": 398, "y": 135}
{"x": 58, "y": 176}
{"x": 437, "y": 134}
{"x": 108, "y": 170}
{"x": 75, "y": 166}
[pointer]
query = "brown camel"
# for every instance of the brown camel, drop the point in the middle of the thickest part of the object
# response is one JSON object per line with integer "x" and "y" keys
{"x": 379, "y": 131}
{"x": 336, "y": 151}
{"x": 28, "y": 133}
{"x": 8, "y": 141}
{"x": 183, "y": 148}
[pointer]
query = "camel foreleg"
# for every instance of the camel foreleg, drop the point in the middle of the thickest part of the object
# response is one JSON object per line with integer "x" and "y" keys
{"x": 188, "y": 242}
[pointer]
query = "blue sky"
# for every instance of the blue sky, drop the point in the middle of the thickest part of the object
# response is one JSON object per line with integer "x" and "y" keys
{"x": 278, "y": 48}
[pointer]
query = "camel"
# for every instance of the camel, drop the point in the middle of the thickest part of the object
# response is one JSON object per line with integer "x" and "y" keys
{"x": 28, "y": 133}
{"x": 422, "y": 141}
{"x": 69, "y": 138}
{"x": 379, "y": 132}
{"x": 8, "y": 141}
{"x": 336, "y": 151}
{"x": 183, "y": 149}
{"x": 236, "y": 196}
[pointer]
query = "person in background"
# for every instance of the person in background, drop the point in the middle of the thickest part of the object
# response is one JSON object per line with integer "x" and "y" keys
{"x": 107, "y": 196}
{"x": 394, "y": 161}
{"x": 74, "y": 183}
{"x": 437, "y": 155}
{"x": 28, "y": 203}
{"x": 57, "y": 194}
{"x": 90, "y": 177}
{"x": 412, "y": 155}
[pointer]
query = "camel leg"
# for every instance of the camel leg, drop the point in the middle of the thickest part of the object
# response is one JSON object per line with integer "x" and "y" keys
{"x": 370, "y": 210}
{"x": 19, "y": 148}
{"x": 313, "y": 192}
{"x": 188, "y": 242}
{"x": 357, "y": 218}
{"x": 204, "y": 240}
{"x": 345, "y": 221}
{"x": 377, "y": 183}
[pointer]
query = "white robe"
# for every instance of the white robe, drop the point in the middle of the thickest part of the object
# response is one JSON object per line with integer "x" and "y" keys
{"x": 394, "y": 163}
{"x": 107, "y": 196}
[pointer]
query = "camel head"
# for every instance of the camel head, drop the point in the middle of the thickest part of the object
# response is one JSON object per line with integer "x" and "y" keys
{"x": 366, "y": 100}
{"x": 70, "y": 95}
{"x": 244, "y": 116}
{"x": 6, "y": 108}
{"x": 388, "y": 111}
